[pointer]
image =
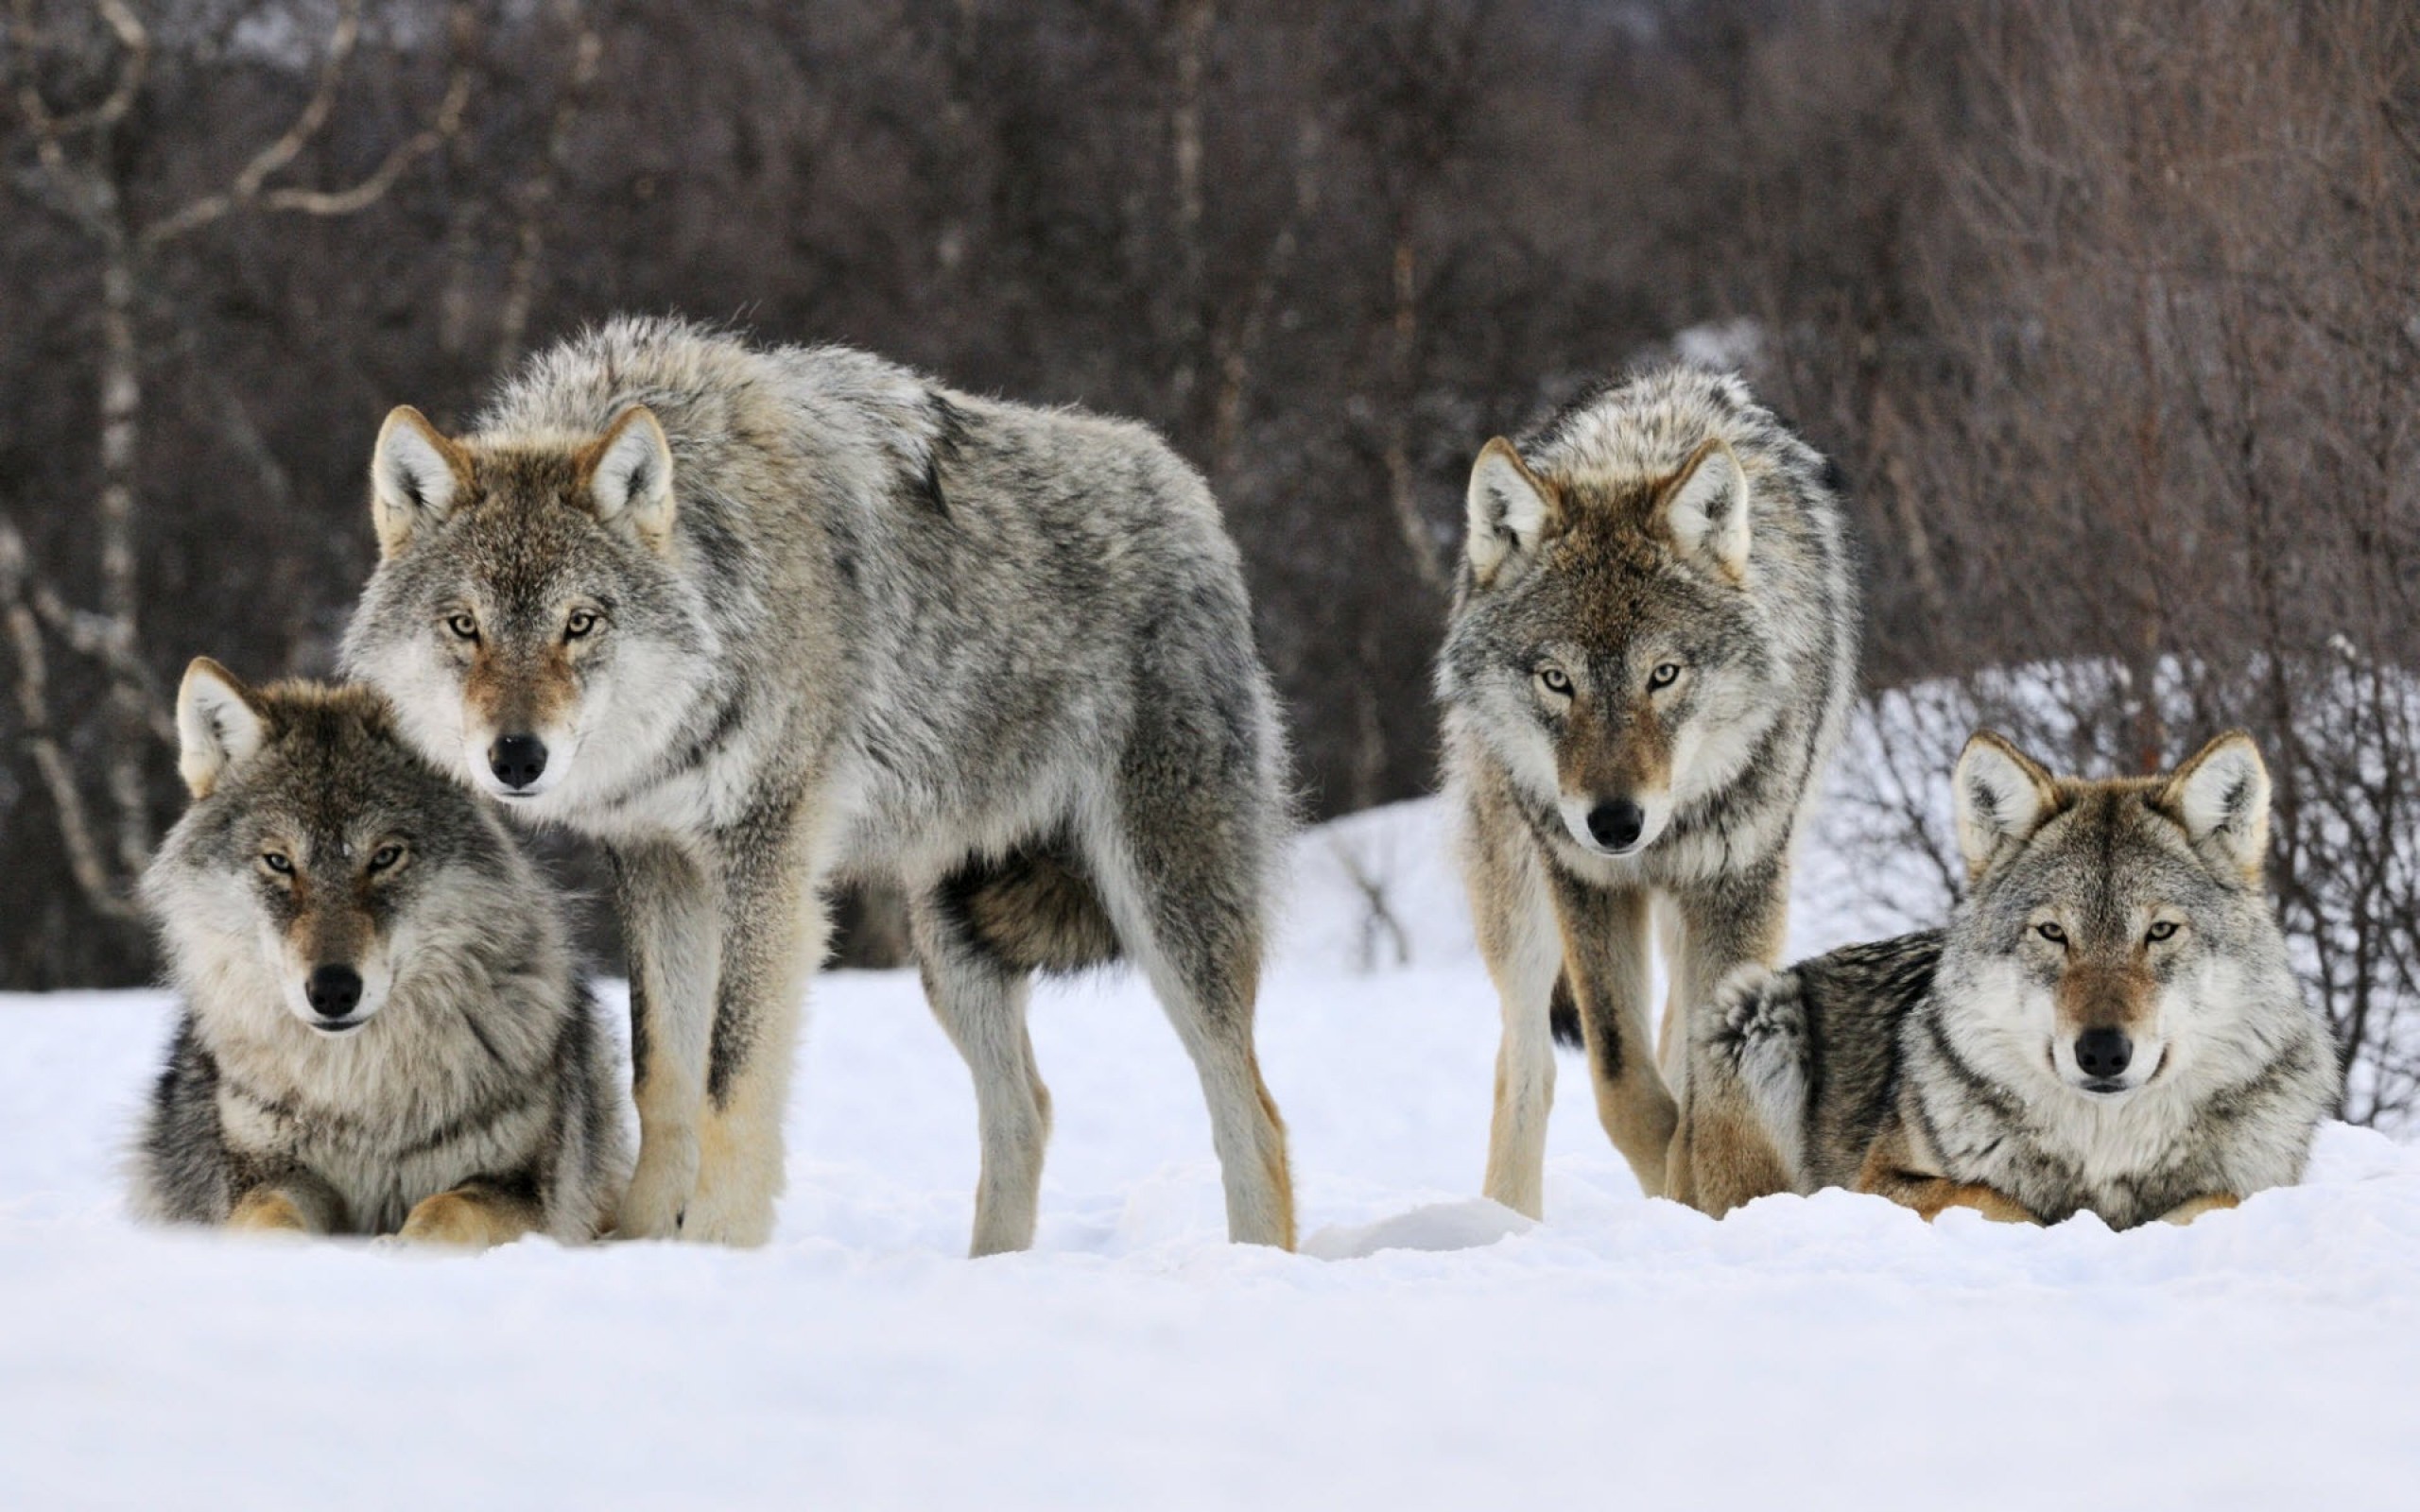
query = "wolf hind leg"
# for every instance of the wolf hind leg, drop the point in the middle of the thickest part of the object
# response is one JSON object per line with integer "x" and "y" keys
{"x": 1755, "y": 1055}
{"x": 1187, "y": 910}
{"x": 1523, "y": 949}
{"x": 980, "y": 1000}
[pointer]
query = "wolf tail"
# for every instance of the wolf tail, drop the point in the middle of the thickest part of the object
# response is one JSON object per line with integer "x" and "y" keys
{"x": 1036, "y": 910}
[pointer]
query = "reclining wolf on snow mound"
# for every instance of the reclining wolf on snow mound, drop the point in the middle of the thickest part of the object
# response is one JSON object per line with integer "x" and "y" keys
{"x": 2109, "y": 1022}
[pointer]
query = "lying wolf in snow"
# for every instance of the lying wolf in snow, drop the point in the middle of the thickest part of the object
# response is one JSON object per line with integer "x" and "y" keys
{"x": 2108, "y": 1024}
{"x": 382, "y": 1030}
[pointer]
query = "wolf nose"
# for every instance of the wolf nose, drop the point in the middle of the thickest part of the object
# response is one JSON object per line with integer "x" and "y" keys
{"x": 2103, "y": 1052}
{"x": 334, "y": 990}
{"x": 517, "y": 760}
{"x": 1615, "y": 825}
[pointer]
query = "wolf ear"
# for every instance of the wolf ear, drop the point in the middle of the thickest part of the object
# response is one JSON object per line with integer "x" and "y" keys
{"x": 2222, "y": 798}
{"x": 218, "y": 724}
{"x": 2003, "y": 796}
{"x": 1510, "y": 508}
{"x": 1706, "y": 506}
{"x": 415, "y": 476}
{"x": 628, "y": 471}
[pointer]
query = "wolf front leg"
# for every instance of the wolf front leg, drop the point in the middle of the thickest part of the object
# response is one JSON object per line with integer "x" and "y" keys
{"x": 671, "y": 929}
{"x": 1722, "y": 1156}
{"x": 1604, "y": 950}
{"x": 1522, "y": 945}
{"x": 2184, "y": 1212}
{"x": 774, "y": 930}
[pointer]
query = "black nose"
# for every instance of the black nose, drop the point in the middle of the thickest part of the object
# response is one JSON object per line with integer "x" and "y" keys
{"x": 334, "y": 990}
{"x": 1616, "y": 824}
{"x": 517, "y": 760}
{"x": 2103, "y": 1052}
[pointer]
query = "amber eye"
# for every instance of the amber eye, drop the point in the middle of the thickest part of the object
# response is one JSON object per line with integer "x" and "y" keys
{"x": 277, "y": 862}
{"x": 1557, "y": 681}
{"x": 1664, "y": 676}
{"x": 386, "y": 856}
{"x": 2051, "y": 932}
{"x": 2163, "y": 930}
{"x": 463, "y": 626}
{"x": 581, "y": 622}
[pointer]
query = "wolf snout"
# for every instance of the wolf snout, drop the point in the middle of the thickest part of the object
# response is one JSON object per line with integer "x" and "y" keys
{"x": 517, "y": 761}
{"x": 334, "y": 991}
{"x": 2104, "y": 1054}
{"x": 1616, "y": 824}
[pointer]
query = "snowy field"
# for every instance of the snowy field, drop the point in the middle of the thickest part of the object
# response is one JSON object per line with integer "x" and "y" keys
{"x": 1427, "y": 1350}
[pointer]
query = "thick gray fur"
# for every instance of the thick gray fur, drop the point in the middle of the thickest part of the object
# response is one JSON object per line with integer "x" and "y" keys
{"x": 483, "y": 1068}
{"x": 1602, "y": 588}
{"x": 997, "y": 655}
{"x": 1922, "y": 1047}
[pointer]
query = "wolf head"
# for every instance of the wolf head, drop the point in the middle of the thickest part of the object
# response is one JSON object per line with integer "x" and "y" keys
{"x": 2116, "y": 930}
{"x": 1605, "y": 640}
{"x": 320, "y": 859}
{"x": 527, "y": 616}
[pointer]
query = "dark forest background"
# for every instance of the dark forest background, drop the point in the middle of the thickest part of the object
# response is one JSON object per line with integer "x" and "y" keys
{"x": 2110, "y": 308}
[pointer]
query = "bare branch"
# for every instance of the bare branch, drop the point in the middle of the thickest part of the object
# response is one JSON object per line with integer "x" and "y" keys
{"x": 85, "y": 859}
{"x": 135, "y": 63}
{"x": 248, "y": 189}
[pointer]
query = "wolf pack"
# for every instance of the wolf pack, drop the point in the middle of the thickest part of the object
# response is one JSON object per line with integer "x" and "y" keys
{"x": 758, "y": 622}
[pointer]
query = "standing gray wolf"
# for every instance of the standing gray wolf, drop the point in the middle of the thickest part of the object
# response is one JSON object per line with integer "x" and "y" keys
{"x": 1651, "y": 653}
{"x": 2108, "y": 1023}
{"x": 382, "y": 1029}
{"x": 760, "y": 619}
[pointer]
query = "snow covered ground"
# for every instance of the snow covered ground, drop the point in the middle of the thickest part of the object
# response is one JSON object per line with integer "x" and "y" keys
{"x": 1428, "y": 1349}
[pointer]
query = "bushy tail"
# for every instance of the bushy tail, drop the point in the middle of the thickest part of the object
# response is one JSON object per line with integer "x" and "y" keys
{"x": 1036, "y": 910}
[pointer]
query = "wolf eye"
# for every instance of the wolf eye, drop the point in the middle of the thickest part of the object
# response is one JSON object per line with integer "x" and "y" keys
{"x": 278, "y": 863}
{"x": 1556, "y": 681}
{"x": 580, "y": 622}
{"x": 2051, "y": 932}
{"x": 386, "y": 856}
{"x": 2163, "y": 930}
{"x": 463, "y": 626}
{"x": 1664, "y": 676}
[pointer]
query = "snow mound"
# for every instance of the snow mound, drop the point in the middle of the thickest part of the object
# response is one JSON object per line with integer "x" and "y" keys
{"x": 1440, "y": 1226}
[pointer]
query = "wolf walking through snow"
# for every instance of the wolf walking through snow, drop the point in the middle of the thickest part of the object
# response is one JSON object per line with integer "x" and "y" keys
{"x": 1651, "y": 650}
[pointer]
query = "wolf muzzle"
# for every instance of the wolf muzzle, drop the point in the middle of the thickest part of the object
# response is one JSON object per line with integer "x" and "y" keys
{"x": 517, "y": 761}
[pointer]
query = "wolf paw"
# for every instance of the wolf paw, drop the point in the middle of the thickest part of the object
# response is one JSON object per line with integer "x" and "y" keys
{"x": 660, "y": 1189}
{"x": 721, "y": 1218}
{"x": 447, "y": 1219}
